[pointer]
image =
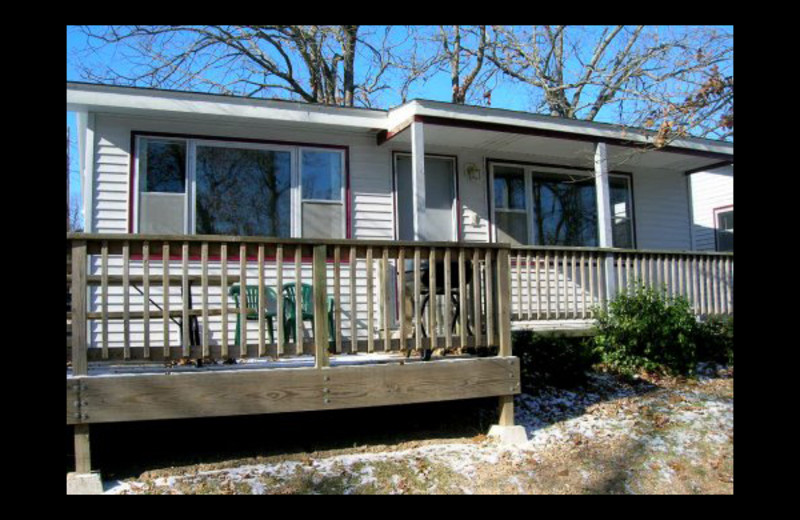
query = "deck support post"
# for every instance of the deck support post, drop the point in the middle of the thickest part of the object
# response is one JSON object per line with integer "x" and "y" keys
{"x": 605, "y": 235}
{"x": 83, "y": 481}
{"x": 504, "y": 431}
{"x": 418, "y": 179}
{"x": 320, "y": 284}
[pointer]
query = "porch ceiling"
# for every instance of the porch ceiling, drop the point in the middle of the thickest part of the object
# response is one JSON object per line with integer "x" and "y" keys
{"x": 564, "y": 151}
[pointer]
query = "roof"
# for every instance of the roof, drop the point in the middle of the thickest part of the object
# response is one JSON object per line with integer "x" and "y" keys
{"x": 111, "y": 98}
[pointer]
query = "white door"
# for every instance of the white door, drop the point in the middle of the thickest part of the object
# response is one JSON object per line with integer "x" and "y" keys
{"x": 440, "y": 199}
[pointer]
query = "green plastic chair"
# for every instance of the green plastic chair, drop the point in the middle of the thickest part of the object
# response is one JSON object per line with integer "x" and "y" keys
{"x": 252, "y": 303}
{"x": 306, "y": 307}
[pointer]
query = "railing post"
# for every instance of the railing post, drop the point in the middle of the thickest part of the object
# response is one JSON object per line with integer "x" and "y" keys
{"x": 320, "y": 284}
{"x": 80, "y": 365}
{"x": 503, "y": 301}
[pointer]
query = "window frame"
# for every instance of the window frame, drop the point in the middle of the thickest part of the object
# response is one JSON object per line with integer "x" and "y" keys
{"x": 530, "y": 170}
{"x": 193, "y": 141}
{"x": 528, "y": 211}
{"x": 717, "y": 212}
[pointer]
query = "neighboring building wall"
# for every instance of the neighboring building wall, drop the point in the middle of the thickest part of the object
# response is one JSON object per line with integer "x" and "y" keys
{"x": 709, "y": 190}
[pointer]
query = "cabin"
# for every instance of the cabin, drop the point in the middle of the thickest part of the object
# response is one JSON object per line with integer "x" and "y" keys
{"x": 248, "y": 256}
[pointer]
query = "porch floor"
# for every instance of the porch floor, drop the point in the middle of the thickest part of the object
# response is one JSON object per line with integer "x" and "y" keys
{"x": 100, "y": 369}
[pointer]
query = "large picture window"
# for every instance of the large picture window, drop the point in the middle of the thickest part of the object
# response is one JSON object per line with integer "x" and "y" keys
{"x": 211, "y": 187}
{"x": 537, "y": 207}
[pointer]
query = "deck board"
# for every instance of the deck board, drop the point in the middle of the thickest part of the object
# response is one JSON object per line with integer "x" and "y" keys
{"x": 137, "y": 397}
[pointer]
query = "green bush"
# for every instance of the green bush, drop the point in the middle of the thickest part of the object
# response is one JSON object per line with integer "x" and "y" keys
{"x": 645, "y": 329}
{"x": 552, "y": 360}
{"x": 715, "y": 340}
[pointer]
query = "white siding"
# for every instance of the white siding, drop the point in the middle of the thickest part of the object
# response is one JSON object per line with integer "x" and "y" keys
{"x": 661, "y": 205}
{"x": 661, "y": 209}
{"x": 710, "y": 190}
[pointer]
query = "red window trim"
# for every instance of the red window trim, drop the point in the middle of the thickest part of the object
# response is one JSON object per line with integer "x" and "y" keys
{"x": 141, "y": 133}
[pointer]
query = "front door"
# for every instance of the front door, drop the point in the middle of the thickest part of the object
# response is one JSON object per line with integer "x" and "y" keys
{"x": 439, "y": 224}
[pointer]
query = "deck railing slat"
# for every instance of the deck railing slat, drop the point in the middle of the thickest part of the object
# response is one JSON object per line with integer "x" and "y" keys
{"x": 165, "y": 297}
{"x": 432, "y": 332}
{"x": 262, "y": 349}
{"x": 223, "y": 254}
{"x": 490, "y": 295}
{"x": 448, "y": 317}
{"x": 385, "y": 294}
{"x": 146, "y": 296}
{"x": 298, "y": 301}
{"x": 104, "y": 296}
{"x": 337, "y": 296}
{"x": 370, "y": 303}
{"x": 476, "y": 295}
{"x": 281, "y": 339}
{"x": 126, "y": 298}
{"x": 242, "y": 317}
{"x": 462, "y": 295}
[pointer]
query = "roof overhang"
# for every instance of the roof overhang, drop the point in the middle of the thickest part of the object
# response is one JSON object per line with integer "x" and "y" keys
{"x": 491, "y": 129}
{"x": 505, "y": 130}
{"x": 84, "y": 97}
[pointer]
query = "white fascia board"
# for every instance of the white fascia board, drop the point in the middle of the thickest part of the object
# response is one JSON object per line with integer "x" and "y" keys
{"x": 111, "y": 99}
{"x": 522, "y": 119}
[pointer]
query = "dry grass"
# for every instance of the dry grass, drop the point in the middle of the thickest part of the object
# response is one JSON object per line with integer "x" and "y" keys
{"x": 657, "y": 436}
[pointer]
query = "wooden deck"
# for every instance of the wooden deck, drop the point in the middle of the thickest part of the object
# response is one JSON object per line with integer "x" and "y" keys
{"x": 151, "y": 327}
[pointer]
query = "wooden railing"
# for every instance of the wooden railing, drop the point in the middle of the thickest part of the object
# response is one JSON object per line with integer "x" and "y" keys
{"x": 556, "y": 283}
{"x": 161, "y": 298}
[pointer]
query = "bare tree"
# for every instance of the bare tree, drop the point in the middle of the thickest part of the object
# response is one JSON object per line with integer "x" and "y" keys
{"x": 75, "y": 217}
{"x": 636, "y": 76}
{"x": 458, "y": 51}
{"x": 316, "y": 64}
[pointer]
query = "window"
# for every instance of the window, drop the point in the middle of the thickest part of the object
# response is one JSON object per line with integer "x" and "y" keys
{"x": 621, "y": 213}
{"x": 556, "y": 208}
{"x": 725, "y": 230}
{"x": 210, "y": 187}
{"x": 162, "y": 187}
{"x": 242, "y": 191}
{"x": 510, "y": 204}
{"x": 565, "y": 211}
{"x": 322, "y": 194}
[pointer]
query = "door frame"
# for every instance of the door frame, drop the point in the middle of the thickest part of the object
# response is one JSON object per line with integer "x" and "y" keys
{"x": 456, "y": 211}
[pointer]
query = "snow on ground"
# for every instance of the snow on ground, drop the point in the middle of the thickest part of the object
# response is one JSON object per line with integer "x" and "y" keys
{"x": 607, "y": 437}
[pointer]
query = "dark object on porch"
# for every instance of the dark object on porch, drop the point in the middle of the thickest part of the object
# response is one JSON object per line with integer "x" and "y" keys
{"x": 455, "y": 296}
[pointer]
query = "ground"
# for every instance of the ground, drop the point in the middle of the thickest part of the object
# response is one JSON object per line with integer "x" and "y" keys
{"x": 609, "y": 436}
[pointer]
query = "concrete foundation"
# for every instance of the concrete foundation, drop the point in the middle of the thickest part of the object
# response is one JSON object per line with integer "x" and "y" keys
{"x": 84, "y": 483}
{"x": 508, "y": 434}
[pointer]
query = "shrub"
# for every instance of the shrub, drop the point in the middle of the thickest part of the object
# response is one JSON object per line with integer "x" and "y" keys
{"x": 715, "y": 340}
{"x": 552, "y": 360}
{"x": 645, "y": 329}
